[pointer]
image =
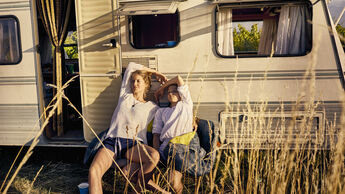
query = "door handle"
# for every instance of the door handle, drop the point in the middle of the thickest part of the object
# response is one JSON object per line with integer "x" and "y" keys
{"x": 111, "y": 44}
{"x": 111, "y": 73}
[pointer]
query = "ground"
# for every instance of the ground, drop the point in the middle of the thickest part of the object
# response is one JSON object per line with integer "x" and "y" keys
{"x": 62, "y": 171}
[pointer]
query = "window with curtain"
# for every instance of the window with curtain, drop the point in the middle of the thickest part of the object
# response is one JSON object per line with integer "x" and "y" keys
{"x": 10, "y": 48}
{"x": 275, "y": 29}
{"x": 154, "y": 31}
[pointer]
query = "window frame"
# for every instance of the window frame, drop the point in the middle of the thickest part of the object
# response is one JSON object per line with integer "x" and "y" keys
{"x": 130, "y": 31}
{"x": 70, "y": 45}
{"x": 253, "y": 5}
{"x": 19, "y": 39}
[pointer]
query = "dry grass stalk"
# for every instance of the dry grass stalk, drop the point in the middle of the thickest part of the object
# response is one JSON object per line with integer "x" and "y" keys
{"x": 193, "y": 67}
{"x": 196, "y": 108}
{"x": 35, "y": 141}
{"x": 12, "y": 165}
{"x": 283, "y": 169}
{"x": 44, "y": 115}
{"x": 336, "y": 178}
{"x": 114, "y": 182}
{"x": 108, "y": 151}
{"x": 159, "y": 171}
{"x": 33, "y": 181}
{"x": 304, "y": 169}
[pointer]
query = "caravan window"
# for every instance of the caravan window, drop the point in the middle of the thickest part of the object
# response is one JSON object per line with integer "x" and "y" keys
{"x": 264, "y": 30}
{"x": 70, "y": 45}
{"x": 154, "y": 31}
{"x": 10, "y": 48}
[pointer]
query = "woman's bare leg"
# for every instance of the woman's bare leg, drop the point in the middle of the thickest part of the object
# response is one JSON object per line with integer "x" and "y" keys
{"x": 100, "y": 164}
{"x": 131, "y": 171}
{"x": 176, "y": 181}
{"x": 145, "y": 155}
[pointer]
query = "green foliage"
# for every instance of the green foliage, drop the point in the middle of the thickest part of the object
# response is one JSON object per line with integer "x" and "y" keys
{"x": 245, "y": 40}
{"x": 71, "y": 51}
{"x": 341, "y": 33}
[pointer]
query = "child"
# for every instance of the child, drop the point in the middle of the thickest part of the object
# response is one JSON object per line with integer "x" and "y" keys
{"x": 173, "y": 121}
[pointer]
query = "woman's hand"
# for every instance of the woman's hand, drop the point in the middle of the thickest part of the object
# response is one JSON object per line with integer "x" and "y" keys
{"x": 176, "y": 80}
{"x": 161, "y": 78}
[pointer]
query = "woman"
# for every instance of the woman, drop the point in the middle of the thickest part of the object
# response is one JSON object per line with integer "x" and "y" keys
{"x": 128, "y": 125}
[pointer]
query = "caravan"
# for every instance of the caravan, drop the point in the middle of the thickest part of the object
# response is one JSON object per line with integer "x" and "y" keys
{"x": 237, "y": 55}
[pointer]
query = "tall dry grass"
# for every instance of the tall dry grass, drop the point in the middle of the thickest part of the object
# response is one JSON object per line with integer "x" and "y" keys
{"x": 281, "y": 150}
{"x": 295, "y": 162}
{"x": 266, "y": 151}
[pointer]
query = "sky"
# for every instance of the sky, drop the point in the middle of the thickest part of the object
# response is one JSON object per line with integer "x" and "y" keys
{"x": 335, "y": 8}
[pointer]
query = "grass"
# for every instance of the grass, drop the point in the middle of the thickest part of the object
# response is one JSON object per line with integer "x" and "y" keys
{"x": 61, "y": 173}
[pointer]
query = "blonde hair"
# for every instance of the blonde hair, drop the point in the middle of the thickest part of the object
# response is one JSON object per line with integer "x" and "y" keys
{"x": 146, "y": 77}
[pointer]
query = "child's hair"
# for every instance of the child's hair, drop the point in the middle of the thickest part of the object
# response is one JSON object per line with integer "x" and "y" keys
{"x": 146, "y": 77}
{"x": 173, "y": 85}
{"x": 166, "y": 90}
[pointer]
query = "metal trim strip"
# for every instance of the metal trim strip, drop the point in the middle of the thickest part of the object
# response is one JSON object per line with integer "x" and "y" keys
{"x": 15, "y": 5}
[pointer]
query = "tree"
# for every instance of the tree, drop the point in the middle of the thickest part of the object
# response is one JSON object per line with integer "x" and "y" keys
{"x": 71, "y": 51}
{"x": 245, "y": 40}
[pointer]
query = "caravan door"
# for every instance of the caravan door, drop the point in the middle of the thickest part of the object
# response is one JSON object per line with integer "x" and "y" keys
{"x": 20, "y": 105}
{"x": 99, "y": 63}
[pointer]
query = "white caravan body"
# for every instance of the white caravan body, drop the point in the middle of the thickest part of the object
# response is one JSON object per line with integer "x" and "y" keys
{"x": 216, "y": 82}
{"x": 21, "y": 82}
{"x": 223, "y": 88}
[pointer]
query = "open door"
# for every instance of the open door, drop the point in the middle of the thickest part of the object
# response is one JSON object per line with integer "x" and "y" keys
{"x": 99, "y": 62}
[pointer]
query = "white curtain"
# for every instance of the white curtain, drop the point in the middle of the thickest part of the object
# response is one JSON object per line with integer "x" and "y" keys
{"x": 13, "y": 39}
{"x": 268, "y": 36}
{"x": 224, "y": 32}
{"x": 2, "y": 43}
{"x": 291, "y": 36}
{"x": 8, "y": 41}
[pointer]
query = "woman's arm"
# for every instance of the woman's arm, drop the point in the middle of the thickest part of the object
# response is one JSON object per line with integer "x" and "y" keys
{"x": 156, "y": 141}
{"x": 176, "y": 80}
{"x": 125, "y": 85}
{"x": 159, "y": 76}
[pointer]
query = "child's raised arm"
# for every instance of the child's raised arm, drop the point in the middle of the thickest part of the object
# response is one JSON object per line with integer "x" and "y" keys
{"x": 176, "y": 80}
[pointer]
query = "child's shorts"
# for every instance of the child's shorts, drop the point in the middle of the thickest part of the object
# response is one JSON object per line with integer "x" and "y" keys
{"x": 190, "y": 158}
{"x": 119, "y": 145}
